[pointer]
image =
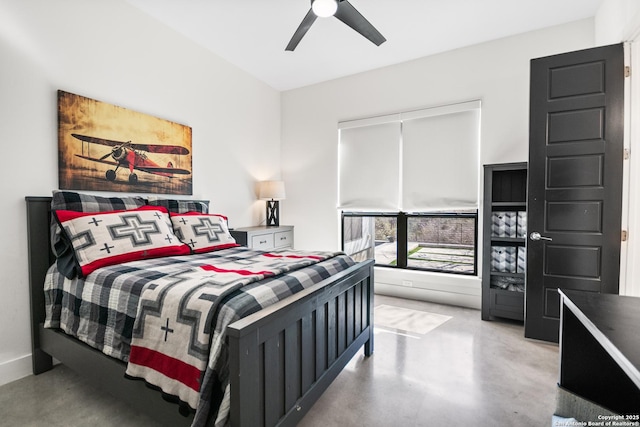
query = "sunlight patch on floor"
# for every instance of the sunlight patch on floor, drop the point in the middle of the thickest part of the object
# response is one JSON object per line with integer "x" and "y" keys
{"x": 405, "y": 319}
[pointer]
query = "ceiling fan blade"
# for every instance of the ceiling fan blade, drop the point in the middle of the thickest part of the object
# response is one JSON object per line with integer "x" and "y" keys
{"x": 309, "y": 19}
{"x": 350, "y": 16}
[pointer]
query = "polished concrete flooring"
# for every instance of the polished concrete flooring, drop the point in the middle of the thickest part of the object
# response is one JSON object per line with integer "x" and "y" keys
{"x": 464, "y": 372}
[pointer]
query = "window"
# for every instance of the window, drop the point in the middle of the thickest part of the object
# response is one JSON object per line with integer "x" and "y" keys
{"x": 441, "y": 242}
{"x": 412, "y": 181}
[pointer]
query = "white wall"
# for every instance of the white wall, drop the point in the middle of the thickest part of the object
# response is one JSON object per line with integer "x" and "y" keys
{"x": 108, "y": 50}
{"x": 619, "y": 21}
{"x": 616, "y": 20}
{"x": 496, "y": 72}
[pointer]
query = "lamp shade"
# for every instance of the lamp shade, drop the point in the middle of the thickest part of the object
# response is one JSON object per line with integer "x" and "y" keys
{"x": 272, "y": 190}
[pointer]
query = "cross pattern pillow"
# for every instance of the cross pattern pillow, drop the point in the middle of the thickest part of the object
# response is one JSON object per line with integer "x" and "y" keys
{"x": 203, "y": 232}
{"x": 107, "y": 238}
{"x": 80, "y": 202}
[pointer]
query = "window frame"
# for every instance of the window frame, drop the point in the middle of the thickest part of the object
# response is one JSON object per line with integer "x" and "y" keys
{"x": 401, "y": 240}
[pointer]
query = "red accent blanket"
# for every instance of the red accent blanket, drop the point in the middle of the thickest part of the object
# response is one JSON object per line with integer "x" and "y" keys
{"x": 171, "y": 337}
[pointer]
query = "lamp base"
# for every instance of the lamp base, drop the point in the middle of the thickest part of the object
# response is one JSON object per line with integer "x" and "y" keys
{"x": 273, "y": 214}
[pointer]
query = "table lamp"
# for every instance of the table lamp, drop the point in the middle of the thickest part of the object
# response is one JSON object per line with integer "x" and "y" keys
{"x": 272, "y": 192}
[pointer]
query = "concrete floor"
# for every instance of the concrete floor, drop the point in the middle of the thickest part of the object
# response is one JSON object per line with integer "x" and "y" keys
{"x": 465, "y": 372}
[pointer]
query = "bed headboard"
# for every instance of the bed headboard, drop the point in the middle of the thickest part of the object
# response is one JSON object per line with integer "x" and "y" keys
{"x": 40, "y": 257}
{"x": 39, "y": 252}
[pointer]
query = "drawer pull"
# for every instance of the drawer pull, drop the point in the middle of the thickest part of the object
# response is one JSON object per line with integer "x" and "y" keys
{"x": 262, "y": 242}
{"x": 283, "y": 238}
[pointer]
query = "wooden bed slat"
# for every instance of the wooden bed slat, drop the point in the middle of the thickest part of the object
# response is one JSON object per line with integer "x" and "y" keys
{"x": 247, "y": 411}
{"x": 357, "y": 315}
{"x": 308, "y": 350}
{"x": 350, "y": 316}
{"x": 292, "y": 364}
{"x": 332, "y": 332}
{"x": 321, "y": 340}
{"x": 273, "y": 380}
{"x": 341, "y": 324}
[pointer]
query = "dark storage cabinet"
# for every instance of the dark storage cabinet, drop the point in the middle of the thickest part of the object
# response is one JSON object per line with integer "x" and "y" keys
{"x": 504, "y": 240}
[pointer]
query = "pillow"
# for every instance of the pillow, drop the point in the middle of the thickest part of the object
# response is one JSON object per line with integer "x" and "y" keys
{"x": 72, "y": 201}
{"x": 99, "y": 239}
{"x": 203, "y": 232}
{"x": 180, "y": 206}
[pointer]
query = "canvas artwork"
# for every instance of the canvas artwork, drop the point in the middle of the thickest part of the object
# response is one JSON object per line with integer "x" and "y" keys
{"x": 104, "y": 147}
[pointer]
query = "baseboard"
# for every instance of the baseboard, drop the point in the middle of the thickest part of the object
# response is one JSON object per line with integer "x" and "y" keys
{"x": 15, "y": 369}
{"x": 440, "y": 297}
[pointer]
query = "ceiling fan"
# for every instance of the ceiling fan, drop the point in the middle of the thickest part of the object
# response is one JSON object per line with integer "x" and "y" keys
{"x": 344, "y": 11}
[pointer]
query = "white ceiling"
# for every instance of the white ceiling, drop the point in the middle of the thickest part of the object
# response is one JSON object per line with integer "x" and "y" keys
{"x": 252, "y": 34}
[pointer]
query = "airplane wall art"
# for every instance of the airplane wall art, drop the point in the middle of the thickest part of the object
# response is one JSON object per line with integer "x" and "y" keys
{"x": 110, "y": 148}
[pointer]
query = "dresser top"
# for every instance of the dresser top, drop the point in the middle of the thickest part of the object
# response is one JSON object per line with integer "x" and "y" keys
{"x": 613, "y": 320}
{"x": 259, "y": 228}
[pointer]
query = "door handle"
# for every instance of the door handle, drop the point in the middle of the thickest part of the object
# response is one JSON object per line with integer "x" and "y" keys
{"x": 535, "y": 236}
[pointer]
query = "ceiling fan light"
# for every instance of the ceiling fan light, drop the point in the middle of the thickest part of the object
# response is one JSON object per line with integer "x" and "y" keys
{"x": 324, "y": 8}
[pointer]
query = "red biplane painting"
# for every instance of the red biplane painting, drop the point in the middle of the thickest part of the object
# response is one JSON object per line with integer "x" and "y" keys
{"x": 109, "y": 148}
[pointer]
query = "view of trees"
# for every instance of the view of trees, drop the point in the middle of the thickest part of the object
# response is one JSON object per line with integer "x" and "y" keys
{"x": 386, "y": 229}
{"x": 437, "y": 230}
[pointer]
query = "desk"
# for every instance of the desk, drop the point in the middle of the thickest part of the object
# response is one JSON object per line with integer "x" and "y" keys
{"x": 600, "y": 349}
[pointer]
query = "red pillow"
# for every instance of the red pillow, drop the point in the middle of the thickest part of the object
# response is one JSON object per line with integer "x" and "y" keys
{"x": 203, "y": 232}
{"x": 107, "y": 238}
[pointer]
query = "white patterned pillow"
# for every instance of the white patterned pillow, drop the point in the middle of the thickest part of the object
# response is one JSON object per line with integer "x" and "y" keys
{"x": 80, "y": 202}
{"x": 203, "y": 232}
{"x": 107, "y": 238}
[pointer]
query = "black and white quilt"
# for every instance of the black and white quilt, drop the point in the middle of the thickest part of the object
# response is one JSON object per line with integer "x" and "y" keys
{"x": 166, "y": 317}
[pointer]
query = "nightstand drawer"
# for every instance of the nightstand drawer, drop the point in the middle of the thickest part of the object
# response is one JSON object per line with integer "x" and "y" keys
{"x": 264, "y": 238}
{"x": 283, "y": 239}
{"x": 262, "y": 241}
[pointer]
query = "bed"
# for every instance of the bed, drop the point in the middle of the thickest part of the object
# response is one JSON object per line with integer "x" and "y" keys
{"x": 281, "y": 358}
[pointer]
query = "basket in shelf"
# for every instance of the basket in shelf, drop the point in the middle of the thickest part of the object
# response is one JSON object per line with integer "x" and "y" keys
{"x": 521, "y": 227}
{"x": 521, "y": 262}
{"x": 509, "y": 224}
{"x": 508, "y": 283}
{"x": 504, "y": 224}
{"x": 504, "y": 259}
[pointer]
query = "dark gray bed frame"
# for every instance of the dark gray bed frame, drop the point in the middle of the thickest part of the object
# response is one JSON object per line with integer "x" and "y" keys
{"x": 282, "y": 358}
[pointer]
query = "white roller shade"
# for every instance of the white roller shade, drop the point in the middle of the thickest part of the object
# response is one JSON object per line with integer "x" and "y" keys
{"x": 369, "y": 158}
{"x": 416, "y": 161}
{"x": 440, "y": 162}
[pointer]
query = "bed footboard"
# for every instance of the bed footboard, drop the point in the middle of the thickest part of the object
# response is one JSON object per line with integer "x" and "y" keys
{"x": 283, "y": 357}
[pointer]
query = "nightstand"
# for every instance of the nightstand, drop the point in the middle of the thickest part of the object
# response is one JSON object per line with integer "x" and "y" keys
{"x": 264, "y": 237}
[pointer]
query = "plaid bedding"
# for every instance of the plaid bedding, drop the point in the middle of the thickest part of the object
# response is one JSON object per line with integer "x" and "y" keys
{"x": 102, "y": 312}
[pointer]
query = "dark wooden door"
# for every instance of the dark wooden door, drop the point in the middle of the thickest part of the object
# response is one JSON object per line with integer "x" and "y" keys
{"x": 575, "y": 181}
